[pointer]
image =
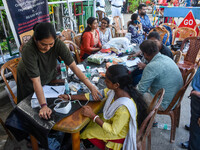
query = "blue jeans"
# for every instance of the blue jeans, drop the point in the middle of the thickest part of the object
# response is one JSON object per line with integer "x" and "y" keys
{"x": 194, "y": 141}
{"x": 136, "y": 76}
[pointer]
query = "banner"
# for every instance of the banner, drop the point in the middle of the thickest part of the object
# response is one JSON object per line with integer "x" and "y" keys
{"x": 24, "y": 15}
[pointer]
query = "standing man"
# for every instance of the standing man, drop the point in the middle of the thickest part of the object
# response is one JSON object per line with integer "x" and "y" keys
{"x": 100, "y": 5}
{"x": 116, "y": 8}
{"x": 194, "y": 128}
{"x": 146, "y": 23}
{"x": 195, "y": 114}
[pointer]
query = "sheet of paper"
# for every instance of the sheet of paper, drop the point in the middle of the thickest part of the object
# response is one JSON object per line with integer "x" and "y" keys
{"x": 52, "y": 91}
{"x": 101, "y": 69}
{"x": 130, "y": 63}
{"x": 80, "y": 66}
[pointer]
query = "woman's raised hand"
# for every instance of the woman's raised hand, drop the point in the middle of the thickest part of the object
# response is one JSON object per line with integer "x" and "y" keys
{"x": 87, "y": 111}
{"x": 140, "y": 26}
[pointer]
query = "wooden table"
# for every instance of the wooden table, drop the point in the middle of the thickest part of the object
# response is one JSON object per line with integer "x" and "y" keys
{"x": 75, "y": 122}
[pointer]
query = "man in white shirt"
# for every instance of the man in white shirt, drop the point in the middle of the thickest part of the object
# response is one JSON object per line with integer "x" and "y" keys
{"x": 100, "y": 5}
{"x": 116, "y": 8}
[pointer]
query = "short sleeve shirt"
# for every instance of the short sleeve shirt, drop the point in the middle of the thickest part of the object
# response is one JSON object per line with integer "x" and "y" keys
{"x": 34, "y": 64}
{"x": 117, "y": 2}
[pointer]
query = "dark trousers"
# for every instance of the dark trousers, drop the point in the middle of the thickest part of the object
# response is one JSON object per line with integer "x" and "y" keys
{"x": 136, "y": 76}
{"x": 194, "y": 141}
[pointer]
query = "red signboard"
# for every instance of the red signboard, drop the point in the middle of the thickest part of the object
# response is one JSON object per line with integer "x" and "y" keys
{"x": 189, "y": 21}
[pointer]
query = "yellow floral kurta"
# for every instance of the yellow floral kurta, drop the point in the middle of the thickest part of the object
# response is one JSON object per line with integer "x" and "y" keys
{"x": 115, "y": 128}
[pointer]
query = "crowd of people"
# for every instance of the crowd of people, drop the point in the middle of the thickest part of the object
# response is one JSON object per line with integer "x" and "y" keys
{"x": 128, "y": 95}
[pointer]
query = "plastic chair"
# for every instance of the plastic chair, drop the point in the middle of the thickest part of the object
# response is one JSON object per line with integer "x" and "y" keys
{"x": 184, "y": 32}
{"x": 128, "y": 24}
{"x": 145, "y": 129}
{"x": 197, "y": 26}
{"x": 177, "y": 56}
{"x": 9, "y": 135}
{"x": 77, "y": 40}
{"x": 171, "y": 25}
{"x": 100, "y": 15}
{"x": 74, "y": 48}
{"x": 68, "y": 34}
{"x": 119, "y": 27}
{"x": 191, "y": 55}
{"x": 162, "y": 32}
{"x": 173, "y": 110}
{"x": 11, "y": 65}
{"x": 113, "y": 31}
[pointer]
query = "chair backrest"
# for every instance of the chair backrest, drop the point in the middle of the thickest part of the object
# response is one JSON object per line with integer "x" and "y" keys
{"x": 193, "y": 50}
{"x": 162, "y": 31}
{"x": 197, "y": 26}
{"x": 12, "y": 66}
{"x": 118, "y": 23}
{"x": 68, "y": 34}
{"x": 77, "y": 40}
{"x": 100, "y": 15}
{"x": 187, "y": 78}
{"x": 148, "y": 122}
{"x": 171, "y": 25}
{"x": 177, "y": 56}
{"x": 128, "y": 23}
{"x": 113, "y": 30}
{"x": 73, "y": 47}
{"x": 183, "y": 32}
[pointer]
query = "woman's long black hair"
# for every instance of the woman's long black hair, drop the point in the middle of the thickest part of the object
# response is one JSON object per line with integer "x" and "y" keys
{"x": 43, "y": 30}
{"x": 88, "y": 28}
{"x": 120, "y": 74}
{"x": 133, "y": 18}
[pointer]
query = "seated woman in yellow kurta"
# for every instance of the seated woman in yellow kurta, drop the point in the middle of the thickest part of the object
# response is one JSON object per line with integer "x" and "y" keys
{"x": 124, "y": 109}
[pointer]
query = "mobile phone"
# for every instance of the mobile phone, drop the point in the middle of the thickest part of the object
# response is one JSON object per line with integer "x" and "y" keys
{"x": 136, "y": 22}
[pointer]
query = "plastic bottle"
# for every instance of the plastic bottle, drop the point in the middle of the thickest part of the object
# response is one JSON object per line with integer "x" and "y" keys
{"x": 164, "y": 126}
{"x": 63, "y": 70}
{"x": 88, "y": 72}
{"x": 67, "y": 90}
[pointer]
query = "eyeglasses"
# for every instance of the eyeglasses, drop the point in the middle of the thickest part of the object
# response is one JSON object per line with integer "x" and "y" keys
{"x": 103, "y": 23}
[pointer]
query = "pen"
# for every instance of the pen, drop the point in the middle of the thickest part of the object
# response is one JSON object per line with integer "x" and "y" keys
{"x": 54, "y": 90}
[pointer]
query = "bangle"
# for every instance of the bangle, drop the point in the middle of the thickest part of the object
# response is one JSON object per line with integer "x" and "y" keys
{"x": 95, "y": 117}
{"x": 45, "y": 104}
{"x": 85, "y": 78}
{"x": 70, "y": 98}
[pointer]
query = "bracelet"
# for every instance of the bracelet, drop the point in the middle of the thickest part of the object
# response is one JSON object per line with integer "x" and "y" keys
{"x": 70, "y": 98}
{"x": 95, "y": 117}
{"x": 45, "y": 104}
{"x": 85, "y": 78}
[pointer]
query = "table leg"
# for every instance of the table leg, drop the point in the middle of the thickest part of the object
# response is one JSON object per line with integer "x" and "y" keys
{"x": 76, "y": 141}
{"x": 34, "y": 143}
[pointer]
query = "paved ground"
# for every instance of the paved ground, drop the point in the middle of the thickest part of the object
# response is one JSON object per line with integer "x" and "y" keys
{"x": 160, "y": 138}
